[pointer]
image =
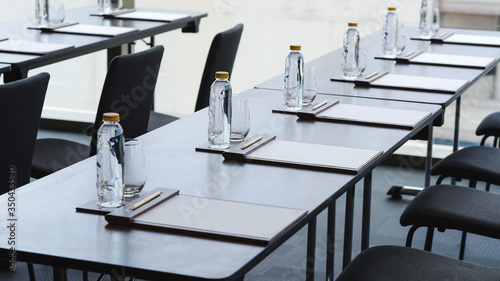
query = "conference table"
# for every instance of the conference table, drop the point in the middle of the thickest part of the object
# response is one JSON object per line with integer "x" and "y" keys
{"x": 87, "y": 242}
{"x": 85, "y": 44}
{"x": 329, "y": 65}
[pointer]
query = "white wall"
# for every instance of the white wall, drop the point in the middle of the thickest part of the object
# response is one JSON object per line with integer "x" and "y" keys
{"x": 270, "y": 27}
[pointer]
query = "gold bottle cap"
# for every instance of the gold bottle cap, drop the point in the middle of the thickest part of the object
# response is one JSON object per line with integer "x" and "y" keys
{"x": 391, "y": 9}
{"x": 352, "y": 24}
{"x": 222, "y": 74}
{"x": 295, "y": 47}
{"x": 111, "y": 117}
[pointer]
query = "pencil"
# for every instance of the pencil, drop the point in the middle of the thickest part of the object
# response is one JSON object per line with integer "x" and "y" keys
{"x": 250, "y": 143}
{"x": 146, "y": 200}
{"x": 319, "y": 105}
{"x": 371, "y": 75}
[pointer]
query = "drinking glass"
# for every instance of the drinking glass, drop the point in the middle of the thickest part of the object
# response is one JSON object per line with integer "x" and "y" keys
{"x": 362, "y": 61}
{"x": 240, "y": 118}
{"x": 56, "y": 11}
{"x": 104, "y": 6}
{"x": 309, "y": 93}
{"x": 435, "y": 21}
{"x": 134, "y": 168}
{"x": 401, "y": 44}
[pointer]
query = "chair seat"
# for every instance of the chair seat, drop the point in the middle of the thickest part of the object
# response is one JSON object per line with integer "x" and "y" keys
{"x": 156, "y": 120}
{"x": 490, "y": 126}
{"x": 477, "y": 162}
{"x": 455, "y": 207}
{"x": 395, "y": 263}
{"x": 52, "y": 155}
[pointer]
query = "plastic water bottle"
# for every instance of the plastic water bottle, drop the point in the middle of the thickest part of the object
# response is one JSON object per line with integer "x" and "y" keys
{"x": 294, "y": 79}
{"x": 41, "y": 13}
{"x": 390, "y": 41}
{"x": 350, "y": 52}
{"x": 110, "y": 145}
{"x": 426, "y": 16}
{"x": 219, "y": 112}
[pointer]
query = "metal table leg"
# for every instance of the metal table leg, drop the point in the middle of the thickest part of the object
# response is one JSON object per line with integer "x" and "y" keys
{"x": 311, "y": 250}
{"x": 330, "y": 242}
{"x": 348, "y": 231}
{"x": 367, "y": 197}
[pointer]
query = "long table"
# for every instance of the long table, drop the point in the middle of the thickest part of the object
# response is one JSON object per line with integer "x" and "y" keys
{"x": 85, "y": 241}
{"x": 329, "y": 65}
{"x": 84, "y": 44}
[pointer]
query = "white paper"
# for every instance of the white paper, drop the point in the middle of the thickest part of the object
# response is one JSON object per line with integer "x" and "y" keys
{"x": 95, "y": 30}
{"x": 474, "y": 39}
{"x": 33, "y": 48}
{"x": 458, "y": 60}
{"x": 219, "y": 216}
{"x": 167, "y": 17}
{"x": 377, "y": 115}
{"x": 315, "y": 155}
{"x": 420, "y": 82}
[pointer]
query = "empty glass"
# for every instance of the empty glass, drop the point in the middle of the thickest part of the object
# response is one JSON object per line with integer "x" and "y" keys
{"x": 135, "y": 168}
{"x": 401, "y": 45}
{"x": 104, "y": 6}
{"x": 240, "y": 118}
{"x": 56, "y": 11}
{"x": 309, "y": 93}
{"x": 435, "y": 21}
{"x": 362, "y": 61}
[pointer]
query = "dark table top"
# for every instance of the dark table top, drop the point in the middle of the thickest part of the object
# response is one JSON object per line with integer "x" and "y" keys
{"x": 329, "y": 66}
{"x": 84, "y": 44}
{"x": 51, "y": 232}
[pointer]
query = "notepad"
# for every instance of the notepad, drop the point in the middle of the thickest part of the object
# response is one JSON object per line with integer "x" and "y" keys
{"x": 463, "y": 39}
{"x": 420, "y": 83}
{"x": 473, "y": 40}
{"x": 306, "y": 155}
{"x": 97, "y": 30}
{"x": 453, "y": 60}
{"x": 215, "y": 218}
{"x": 151, "y": 16}
{"x": 376, "y": 116}
{"x": 31, "y": 48}
{"x": 444, "y": 60}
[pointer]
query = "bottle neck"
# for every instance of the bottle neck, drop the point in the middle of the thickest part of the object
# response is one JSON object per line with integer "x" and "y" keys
{"x": 222, "y": 79}
{"x": 111, "y": 122}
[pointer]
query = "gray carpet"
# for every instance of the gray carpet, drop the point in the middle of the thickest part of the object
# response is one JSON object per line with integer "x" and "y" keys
{"x": 288, "y": 262}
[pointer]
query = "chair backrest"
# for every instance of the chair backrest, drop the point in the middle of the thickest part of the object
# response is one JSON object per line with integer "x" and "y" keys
{"x": 220, "y": 58}
{"x": 128, "y": 90}
{"x": 20, "y": 110}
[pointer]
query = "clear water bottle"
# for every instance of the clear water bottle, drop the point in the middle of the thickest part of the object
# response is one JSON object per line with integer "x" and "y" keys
{"x": 390, "y": 41}
{"x": 110, "y": 146}
{"x": 350, "y": 52}
{"x": 41, "y": 13}
{"x": 219, "y": 112}
{"x": 294, "y": 79}
{"x": 426, "y": 17}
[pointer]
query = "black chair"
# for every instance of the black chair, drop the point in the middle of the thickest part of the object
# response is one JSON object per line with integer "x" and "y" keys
{"x": 453, "y": 207}
{"x": 21, "y": 108}
{"x": 220, "y": 57}
{"x": 475, "y": 163}
{"x": 128, "y": 89}
{"x": 20, "y": 112}
{"x": 394, "y": 263}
